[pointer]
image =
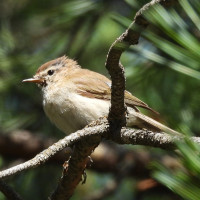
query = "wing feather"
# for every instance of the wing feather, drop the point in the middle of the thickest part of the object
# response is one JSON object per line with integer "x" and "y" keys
{"x": 95, "y": 85}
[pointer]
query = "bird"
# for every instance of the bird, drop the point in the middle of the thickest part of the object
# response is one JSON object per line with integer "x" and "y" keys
{"x": 73, "y": 97}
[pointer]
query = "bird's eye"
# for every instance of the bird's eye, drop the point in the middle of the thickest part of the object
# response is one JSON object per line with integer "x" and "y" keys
{"x": 50, "y": 72}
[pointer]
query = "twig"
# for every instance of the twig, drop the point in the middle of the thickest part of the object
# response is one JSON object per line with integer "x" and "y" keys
{"x": 116, "y": 117}
{"x": 127, "y": 136}
{"x": 44, "y": 156}
{"x": 105, "y": 158}
{"x": 74, "y": 171}
{"x": 115, "y": 68}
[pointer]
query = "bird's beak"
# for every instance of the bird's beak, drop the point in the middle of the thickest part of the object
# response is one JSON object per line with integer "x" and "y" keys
{"x": 33, "y": 80}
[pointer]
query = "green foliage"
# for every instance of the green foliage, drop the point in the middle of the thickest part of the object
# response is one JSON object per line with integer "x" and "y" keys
{"x": 167, "y": 68}
{"x": 175, "y": 44}
{"x": 184, "y": 180}
{"x": 32, "y": 33}
{"x": 163, "y": 70}
{"x": 166, "y": 65}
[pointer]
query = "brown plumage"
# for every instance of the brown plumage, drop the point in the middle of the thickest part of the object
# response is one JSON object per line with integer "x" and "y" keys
{"x": 74, "y": 97}
{"x": 98, "y": 86}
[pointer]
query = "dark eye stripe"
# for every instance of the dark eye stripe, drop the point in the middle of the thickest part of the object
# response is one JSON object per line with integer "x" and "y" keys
{"x": 50, "y": 72}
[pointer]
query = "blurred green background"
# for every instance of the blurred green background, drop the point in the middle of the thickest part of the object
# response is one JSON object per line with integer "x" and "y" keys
{"x": 163, "y": 70}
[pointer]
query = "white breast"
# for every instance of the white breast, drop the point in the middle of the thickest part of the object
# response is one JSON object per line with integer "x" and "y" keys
{"x": 73, "y": 112}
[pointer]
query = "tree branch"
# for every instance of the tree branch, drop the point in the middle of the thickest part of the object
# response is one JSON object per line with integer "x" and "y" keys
{"x": 41, "y": 158}
{"x": 89, "y": 137}
{"x": 74, "y": 169}
{"x": 106, "y": 158}
{"x": 116, "y": 70}
{"x": 117, "y": 114}
{"x": 94, "y": 134}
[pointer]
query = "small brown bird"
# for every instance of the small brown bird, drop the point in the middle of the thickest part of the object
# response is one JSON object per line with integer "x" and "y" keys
{"x": 74, "y": 97}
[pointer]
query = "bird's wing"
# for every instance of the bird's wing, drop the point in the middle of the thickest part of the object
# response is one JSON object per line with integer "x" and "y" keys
{"x": 95, "y": 85}
{"x": 131, "y": 101}
{"x": 92, "y": 84}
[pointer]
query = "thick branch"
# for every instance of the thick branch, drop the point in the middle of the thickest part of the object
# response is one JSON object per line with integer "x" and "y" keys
{"x": 106, "y": 158}
{"x": 127, "y": 136}
{"x": 115, "y": 68}
{"x": 116, "y": 118}
{"x": 162, "y": 140}
{"x": 74, "y": 169}
{"x": 84, "y": 135}
{"x": 117, "y": 112}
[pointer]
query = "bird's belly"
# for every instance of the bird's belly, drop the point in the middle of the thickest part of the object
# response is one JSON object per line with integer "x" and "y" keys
{"x": 75, "y": 112}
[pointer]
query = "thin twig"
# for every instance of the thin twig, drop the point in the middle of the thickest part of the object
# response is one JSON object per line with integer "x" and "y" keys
{"x": 74, "y": 169}
{"x": 127, "y": 136}
{"x": 115, "y": 68}
{"x": 41, "y": 158}
{"x": 105, "y": 158}
{"x": 116, "y": 117}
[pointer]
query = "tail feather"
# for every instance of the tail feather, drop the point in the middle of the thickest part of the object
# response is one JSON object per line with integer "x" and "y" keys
{"x": 142, "y": 121}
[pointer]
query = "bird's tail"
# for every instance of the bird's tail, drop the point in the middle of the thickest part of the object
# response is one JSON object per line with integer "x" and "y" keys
{"x": 142, "y": 121}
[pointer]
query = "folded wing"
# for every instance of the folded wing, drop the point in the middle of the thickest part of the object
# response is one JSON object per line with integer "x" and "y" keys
{"x": 95, "y": 85}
